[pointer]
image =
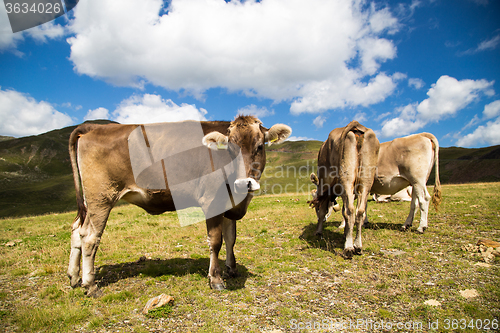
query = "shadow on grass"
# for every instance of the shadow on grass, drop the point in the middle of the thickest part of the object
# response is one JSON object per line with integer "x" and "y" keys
{"x": 109, "y": 274}
{"x": 331, "y": 240}
{"x": 333, "y": 237}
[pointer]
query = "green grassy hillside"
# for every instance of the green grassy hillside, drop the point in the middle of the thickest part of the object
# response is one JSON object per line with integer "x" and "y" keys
{"x": 36, "y": 177}
{"x": 35, "y": 174}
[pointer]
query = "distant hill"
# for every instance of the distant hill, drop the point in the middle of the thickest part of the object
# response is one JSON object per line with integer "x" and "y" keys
{"x": 4, "y": 138}
{"x": 36, "y": 176}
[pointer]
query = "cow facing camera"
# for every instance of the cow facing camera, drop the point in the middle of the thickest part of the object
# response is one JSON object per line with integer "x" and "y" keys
{"x": 160, "y": 164}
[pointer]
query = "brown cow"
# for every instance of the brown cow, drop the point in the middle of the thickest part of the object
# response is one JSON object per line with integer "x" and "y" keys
{"x": 346, "y": 167}
{"x": 166, "y": 167}
{"x": 405, "y": 162}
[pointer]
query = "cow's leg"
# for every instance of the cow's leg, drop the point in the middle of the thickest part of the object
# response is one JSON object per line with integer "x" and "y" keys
{"x": 322, "y": 212}
{"x": 360, "y": 218}
{"x": 348, "y": 164}
{"x": 423, "y": 198}
{"x": 349, "y": 217}
{"x": 365, "y": 223}
{"x": 90, "y": 237}
{"x": 229, "y": 234}
{"x": 214, "y": 233}
{"x": 413, "y": 211}
{"x": 75, "y": 255}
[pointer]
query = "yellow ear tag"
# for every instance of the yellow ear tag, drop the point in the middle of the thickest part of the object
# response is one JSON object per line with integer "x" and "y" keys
{"x": 276, "y": 139}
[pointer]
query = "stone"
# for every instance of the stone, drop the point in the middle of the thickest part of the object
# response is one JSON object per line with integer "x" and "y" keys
{"x": 488, "y": 243}
{"x": 157, "y": 302}
{"x": 482, "y": 264}
{"x": 13, "y": 242}
{"x": 432, "y": 302}
{"x": 469, "y": 293}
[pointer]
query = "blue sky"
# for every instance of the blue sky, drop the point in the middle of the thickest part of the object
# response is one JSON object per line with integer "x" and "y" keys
{"x": 398, "y": 67}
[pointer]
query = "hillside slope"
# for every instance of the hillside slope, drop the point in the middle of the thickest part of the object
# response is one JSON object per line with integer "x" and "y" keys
{"x": 35, "y": 174}
{"x": 36, "y": 177}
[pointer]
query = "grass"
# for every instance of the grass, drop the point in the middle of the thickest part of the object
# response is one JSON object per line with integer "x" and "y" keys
{"x": 287, "y": 276}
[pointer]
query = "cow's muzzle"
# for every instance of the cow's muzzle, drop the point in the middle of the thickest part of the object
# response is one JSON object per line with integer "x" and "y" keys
{"x": 245, "y": 185}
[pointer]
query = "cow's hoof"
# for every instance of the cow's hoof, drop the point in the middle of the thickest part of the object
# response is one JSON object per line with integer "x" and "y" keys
{"x": 404, "y": 228}
{"x": 348, "y": 253}
{"x": 421, "y": 230}
{"x": 94, "y": 291}
{"x": 318, "y": 234}
{"x": 216, "y": 283}
{"x": 232, "y": 273}
{"x": 358, "y": 251}
{"x": 75, "y": 281}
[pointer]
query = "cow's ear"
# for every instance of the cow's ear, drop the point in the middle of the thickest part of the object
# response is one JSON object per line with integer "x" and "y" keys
{"x": 215, "y": 141}
{"x": 277, "y": 134}
{"x": 314, "y": 179}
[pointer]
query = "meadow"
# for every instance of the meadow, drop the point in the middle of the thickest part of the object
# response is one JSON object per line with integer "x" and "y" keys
{"x": 290, "y": 280}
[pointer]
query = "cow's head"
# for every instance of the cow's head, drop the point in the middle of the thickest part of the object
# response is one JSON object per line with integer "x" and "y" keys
{"x": 247, "y": 135}
{"x": 329, "y": 201}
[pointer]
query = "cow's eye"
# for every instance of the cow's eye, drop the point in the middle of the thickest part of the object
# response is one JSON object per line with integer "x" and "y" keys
{"x": 260, "y": 148}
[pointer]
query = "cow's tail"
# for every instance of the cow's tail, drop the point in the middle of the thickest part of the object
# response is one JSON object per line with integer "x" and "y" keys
{"x": 359, "y": 131}
{"x": 73, "y": 148}
{"x": 436, "y": 197}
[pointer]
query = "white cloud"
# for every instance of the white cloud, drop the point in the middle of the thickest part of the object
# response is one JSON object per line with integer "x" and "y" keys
{"x": 319, "y": 121}
{"x": 473, "y": 122}
{"x": 446, "y": 97}
{"x": 99, "y": 113}
{"x": 259, "y": 112}
{"x": 360, "y": 117}
{"x": 416, "y": 83}
{"x": 47, "y": 30}
{"x": 405, "y": 124}
{"x": 299, "y": 138}
{"x": 153, "y": 109}
{"x": 489, "y": 44}
{"x": 317, "y": 54}
{"x": 485, "y": 134}
{"x": 492, "y": 110}
{"x": 22, "y": 115}
{"x": 324, "y": 95}
{"x": 489, "y": 134}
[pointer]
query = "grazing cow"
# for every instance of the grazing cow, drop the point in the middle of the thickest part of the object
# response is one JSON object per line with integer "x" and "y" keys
{"x": 346, "y": 168}
{"x": 215, "y": 165}
{"x": 408, "y": 161}
{"x": 405, "y": 162}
